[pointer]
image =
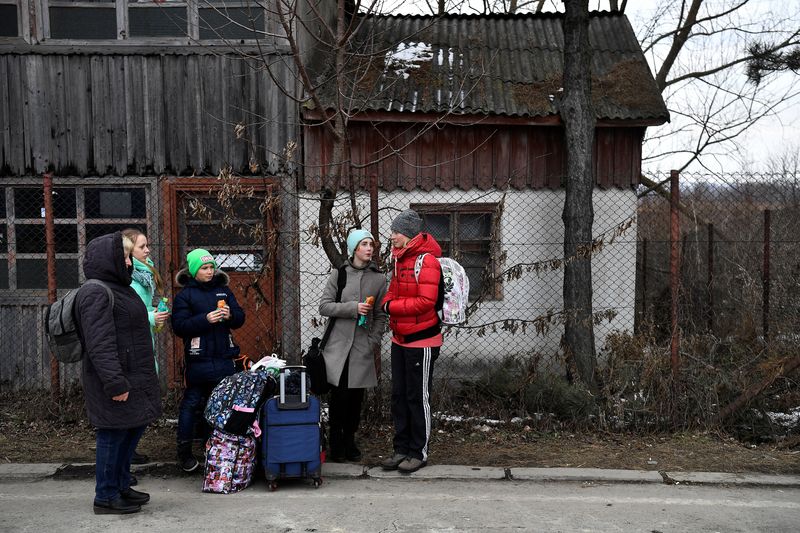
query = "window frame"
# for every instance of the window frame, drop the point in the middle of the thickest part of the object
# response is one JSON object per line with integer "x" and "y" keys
{"x": 23, "y": 22}
{"x": 151, "y": 221}
{"x": 453, "y": 211}
{"x": 270, "y": 29}
{"x": 187, "y": 221}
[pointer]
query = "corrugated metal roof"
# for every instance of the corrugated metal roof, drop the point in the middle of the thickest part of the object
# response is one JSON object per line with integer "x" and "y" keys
{"x": 504, "y": 65}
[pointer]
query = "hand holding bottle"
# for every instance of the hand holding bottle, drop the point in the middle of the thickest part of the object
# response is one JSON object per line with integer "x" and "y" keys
{"x": 364, "y": 309}
{"x": 224, "y": 310}
{"x": 161, "y": 314}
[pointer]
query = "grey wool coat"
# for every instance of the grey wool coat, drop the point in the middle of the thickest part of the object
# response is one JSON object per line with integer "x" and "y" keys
{"x": 347, "y": 339}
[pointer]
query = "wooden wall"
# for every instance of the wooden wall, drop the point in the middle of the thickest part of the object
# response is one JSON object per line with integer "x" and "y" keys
{"x": 410, "y": 156}
{"x": 138, "y": 114}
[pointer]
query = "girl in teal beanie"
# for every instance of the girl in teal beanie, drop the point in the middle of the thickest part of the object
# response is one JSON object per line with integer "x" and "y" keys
{"x": 357, "y": 326}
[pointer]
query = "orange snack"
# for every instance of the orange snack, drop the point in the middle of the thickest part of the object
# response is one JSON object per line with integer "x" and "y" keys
{"x": 369, "y": 300}
{"x": 220, "y": 304}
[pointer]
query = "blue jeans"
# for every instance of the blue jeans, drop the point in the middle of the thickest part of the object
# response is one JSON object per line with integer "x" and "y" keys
{"x": 201, "y": 378}
{"x": 113, "y": 457}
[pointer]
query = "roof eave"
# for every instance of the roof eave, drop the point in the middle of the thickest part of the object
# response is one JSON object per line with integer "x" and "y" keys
{"x": 475, "y": 119}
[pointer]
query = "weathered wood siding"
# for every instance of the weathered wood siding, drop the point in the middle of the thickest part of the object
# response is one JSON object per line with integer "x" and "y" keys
{"x": 139, "y": 114}
{"x": 407, "y": 156}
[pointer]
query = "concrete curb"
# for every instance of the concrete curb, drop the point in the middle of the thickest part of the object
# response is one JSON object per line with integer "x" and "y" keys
{"x": 16, "y": 472}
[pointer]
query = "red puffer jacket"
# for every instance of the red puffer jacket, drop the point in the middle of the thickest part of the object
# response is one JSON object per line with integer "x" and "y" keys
{"x": 411, "y": 304}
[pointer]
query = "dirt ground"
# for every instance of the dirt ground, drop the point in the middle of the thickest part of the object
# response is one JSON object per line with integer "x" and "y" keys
{"x": 61, "y": 439}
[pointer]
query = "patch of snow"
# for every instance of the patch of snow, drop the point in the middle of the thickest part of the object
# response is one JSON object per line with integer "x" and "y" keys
{"x": 406, "y": 56}
{"x": 789, "y": 420}
{"x": 481, "y": 421}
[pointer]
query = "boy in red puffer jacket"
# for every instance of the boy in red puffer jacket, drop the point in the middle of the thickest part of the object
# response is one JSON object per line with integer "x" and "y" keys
{"x": 410, "y": 303}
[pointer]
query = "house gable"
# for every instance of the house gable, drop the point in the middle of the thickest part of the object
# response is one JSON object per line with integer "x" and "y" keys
{"x": 472, "y": 101}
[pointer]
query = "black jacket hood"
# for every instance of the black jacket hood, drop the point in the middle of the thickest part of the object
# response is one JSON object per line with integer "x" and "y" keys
{"x": 104, "y": 259}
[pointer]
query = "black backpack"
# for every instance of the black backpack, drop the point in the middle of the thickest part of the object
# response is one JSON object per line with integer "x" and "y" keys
{"x": 62, "y": 329}
{"x": 314, "y": 360}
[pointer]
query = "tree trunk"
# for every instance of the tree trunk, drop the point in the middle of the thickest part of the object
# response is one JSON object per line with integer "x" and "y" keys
{"x": 340, "y": 164}
{"x": 578, "y": 215}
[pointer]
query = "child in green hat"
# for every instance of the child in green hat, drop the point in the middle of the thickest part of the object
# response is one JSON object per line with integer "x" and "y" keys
{"x": 203, "y": 315}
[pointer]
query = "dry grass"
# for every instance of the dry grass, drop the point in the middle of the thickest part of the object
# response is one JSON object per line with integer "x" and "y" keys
{"x": 65, "y": 436}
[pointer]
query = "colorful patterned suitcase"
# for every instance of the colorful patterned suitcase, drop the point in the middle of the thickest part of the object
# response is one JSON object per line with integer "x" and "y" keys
{"x": 230, "y": 461}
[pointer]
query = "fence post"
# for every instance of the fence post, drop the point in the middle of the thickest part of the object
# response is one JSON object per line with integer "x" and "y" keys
{"x": 644, "y": 281}
{"x": 50, "y": 240}
{"x": 674, "y": 272}
{"x": 710, "y": 284}
{"x": 373, "y": 220}
{"x": 765, "y": 276}
{"x": 373, "y": 212}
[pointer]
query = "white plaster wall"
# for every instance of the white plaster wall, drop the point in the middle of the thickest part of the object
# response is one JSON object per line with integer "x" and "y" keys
{"x": 531, "y": 231}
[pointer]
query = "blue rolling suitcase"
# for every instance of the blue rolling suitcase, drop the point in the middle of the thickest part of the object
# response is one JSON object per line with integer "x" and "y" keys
{"x": 291, "y": 446}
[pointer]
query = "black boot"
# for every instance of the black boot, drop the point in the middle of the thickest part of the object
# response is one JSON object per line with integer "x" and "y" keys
{"x": 139, "y": 458}
{"x": 118, "y": 506}
{"x": 351, "y": 451}
{"x": 336, "y": 446}
{"x": 186, "y": 460}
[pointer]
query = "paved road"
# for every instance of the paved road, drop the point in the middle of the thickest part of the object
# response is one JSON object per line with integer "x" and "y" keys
{"x": 404, "y": 505}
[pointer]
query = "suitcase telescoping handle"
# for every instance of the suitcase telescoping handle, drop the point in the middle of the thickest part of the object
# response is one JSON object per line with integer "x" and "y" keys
{"x": 293, "y": 401}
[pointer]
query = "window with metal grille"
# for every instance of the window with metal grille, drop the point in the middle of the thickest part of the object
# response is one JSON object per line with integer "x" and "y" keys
{"x": 168, "y": 21}
{"x": 235, "y": 240}
{"x": 468, "y": 234}
{"x": 81, "y": 213}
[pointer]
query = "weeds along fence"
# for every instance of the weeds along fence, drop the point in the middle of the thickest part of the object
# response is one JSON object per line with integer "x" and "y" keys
{"x": 740, "y": 263}
{"x": 738, "y": 280}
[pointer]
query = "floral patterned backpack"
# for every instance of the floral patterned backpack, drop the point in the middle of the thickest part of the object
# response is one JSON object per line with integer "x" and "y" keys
{"x": 453, "y": 298}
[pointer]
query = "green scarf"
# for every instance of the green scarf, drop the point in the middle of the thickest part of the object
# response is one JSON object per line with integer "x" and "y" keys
{"x": 143, "y": 275}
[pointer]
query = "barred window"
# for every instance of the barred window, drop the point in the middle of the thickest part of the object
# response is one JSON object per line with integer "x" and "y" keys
{"x": 176, "y": 21}
{"x": 81, "y": 213}
{"x": 235, "y": 241}
{"x": 465, "y": 233}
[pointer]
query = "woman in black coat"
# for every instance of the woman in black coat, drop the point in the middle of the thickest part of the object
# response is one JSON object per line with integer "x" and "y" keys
{"x": 119, "y": 376}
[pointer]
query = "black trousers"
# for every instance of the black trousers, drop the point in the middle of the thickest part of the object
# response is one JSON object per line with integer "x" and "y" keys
{"x": 412, "y": 369}
{"x": 345, "y": 406}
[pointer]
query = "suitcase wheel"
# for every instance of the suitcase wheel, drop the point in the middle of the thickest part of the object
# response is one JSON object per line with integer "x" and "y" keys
{"x": 317, "y": 482}
{"x": 272, "y": 486}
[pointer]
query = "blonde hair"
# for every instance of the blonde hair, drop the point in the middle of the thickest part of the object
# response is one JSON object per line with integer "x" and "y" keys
{"x": 127, "y": 244}
{"x": 132, "y": 234}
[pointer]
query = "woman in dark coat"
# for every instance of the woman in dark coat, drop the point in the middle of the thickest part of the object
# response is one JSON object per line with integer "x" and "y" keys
{"x": 119, "y": 375}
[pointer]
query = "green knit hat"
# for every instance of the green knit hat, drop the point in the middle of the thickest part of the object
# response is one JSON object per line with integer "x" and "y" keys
{"x": 197, "y": 258}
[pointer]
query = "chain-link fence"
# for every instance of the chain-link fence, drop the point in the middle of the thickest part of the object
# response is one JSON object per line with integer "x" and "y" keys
{"x": 511, "y": 245}
{"x": 175, "y": 215}
{"x": 739, "y": 267}
{"x": 740, "y": 264}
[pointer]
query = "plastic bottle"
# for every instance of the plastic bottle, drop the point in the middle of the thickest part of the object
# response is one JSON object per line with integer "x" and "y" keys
{"x": 221, "y": 305}
{"x": 162, "y": 306}
{"x": 362, "y": 319}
